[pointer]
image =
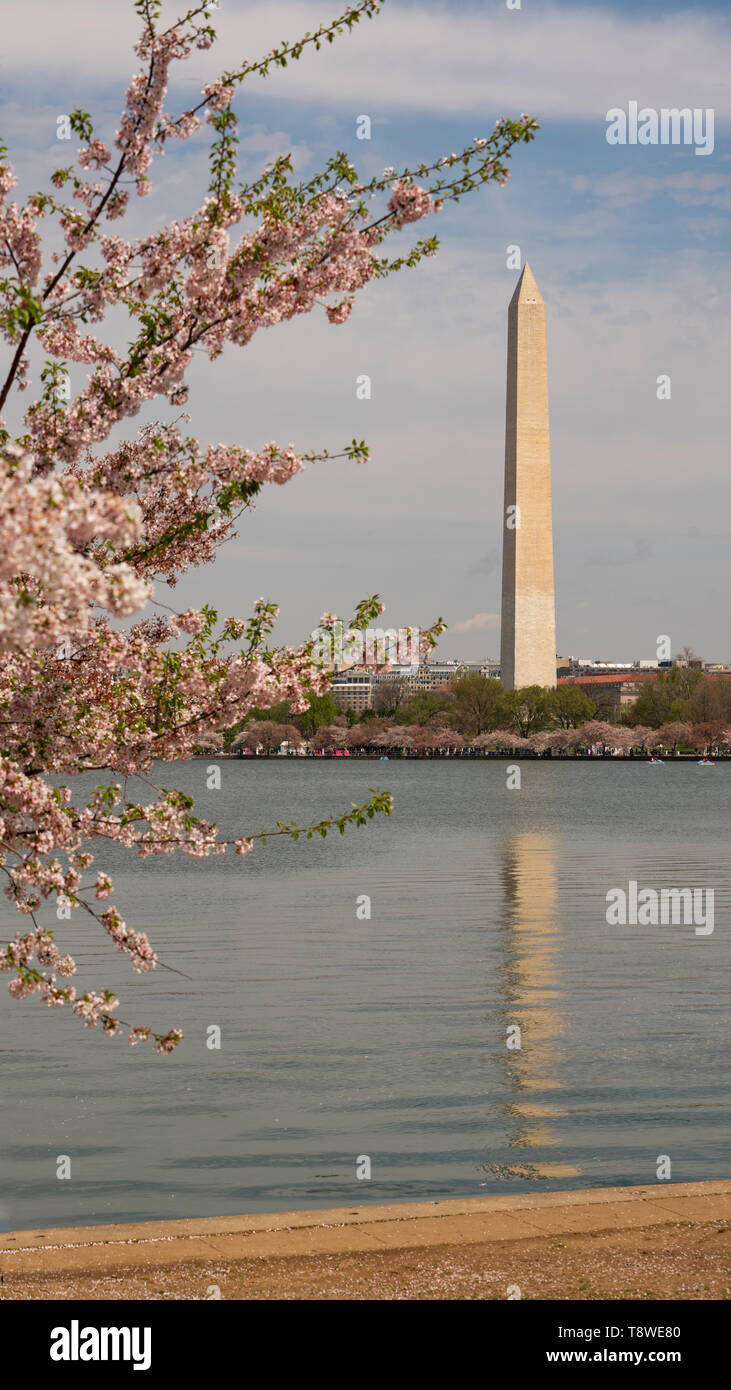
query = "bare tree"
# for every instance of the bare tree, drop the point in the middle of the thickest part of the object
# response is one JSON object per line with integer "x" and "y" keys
{"x": 391, "y": 694}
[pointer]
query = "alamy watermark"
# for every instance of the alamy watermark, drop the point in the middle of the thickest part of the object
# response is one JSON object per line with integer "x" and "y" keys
{"x": 77, "y": 1343}
{"x": 336, "y": 645}
{"x": 647, "y": 907}
{"x": 669, "y": 126}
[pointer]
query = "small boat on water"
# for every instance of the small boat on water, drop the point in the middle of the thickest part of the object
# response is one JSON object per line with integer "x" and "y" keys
{"x": 705, "y": 762}
{"x": 657, "y": 760}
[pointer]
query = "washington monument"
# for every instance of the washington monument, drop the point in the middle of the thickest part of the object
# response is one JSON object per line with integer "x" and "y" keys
{"x": 528, "y": 633}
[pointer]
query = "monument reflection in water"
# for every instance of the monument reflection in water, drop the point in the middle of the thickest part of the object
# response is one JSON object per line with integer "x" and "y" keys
{"x": 532, "y": 992}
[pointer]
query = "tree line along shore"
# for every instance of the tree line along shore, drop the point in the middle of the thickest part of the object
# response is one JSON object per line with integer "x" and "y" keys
{"x": 681, "y": 713}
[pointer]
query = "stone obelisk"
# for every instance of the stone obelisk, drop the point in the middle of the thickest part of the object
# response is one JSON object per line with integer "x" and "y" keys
{"x": 528, "y": 634}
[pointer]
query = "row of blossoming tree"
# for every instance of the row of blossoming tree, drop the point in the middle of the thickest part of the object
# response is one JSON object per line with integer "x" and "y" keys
{"x": 264, "y": 737}
{"x": 88, "y": 528}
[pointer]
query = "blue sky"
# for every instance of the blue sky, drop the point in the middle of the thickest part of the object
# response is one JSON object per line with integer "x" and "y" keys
{"x": 629, "y": 244}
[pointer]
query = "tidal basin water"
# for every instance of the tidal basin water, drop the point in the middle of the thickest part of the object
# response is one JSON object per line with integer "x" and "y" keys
{"x": 388, "y": 1037}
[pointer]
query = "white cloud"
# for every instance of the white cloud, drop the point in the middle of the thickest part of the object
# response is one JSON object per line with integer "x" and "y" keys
{"x": 625, "y": 187}
{"x": 567, "y": 61}
{"x": 476, "y": 624}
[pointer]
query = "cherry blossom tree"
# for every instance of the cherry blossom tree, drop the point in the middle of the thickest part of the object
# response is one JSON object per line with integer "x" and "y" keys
{"x": 621, "y": 739}
{"x": 638, "y": 733}
{"x": 89, "y": 527}
{"x": 484, "y": 743}
{"x": 266, "y": 734}
{"x": 292, "y": 736}
{"x": 501, "y": 740}
{"x": 709, "y": 736}
{"x": 329, "y": 736}
{"x": 422, "y": 739}
{"x": 399, "y": 736}
{"x": 595, "y": 733}
{"x": 448, "y": 741}
{"x": 363, "y": 735}
{"x": 550, "y": 740}
{"x": 652, "y": 740}
{"x": 673, "y": 734}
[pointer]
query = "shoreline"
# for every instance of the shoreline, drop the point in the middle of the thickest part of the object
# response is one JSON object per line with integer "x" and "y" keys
{"x": 519, "y": 756}
{"x": 666, "y": 1240}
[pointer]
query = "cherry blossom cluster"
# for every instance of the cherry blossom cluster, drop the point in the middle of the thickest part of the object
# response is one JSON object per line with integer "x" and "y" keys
{"x": 48, "y": 584}
{"x": 20, "y": 243}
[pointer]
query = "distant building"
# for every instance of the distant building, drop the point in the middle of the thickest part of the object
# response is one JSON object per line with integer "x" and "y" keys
{"x": 434, "y": 675}
{"x": 353, "y": 689}
{"x": 627, "y": 683}
{"x": 356, "y": 687}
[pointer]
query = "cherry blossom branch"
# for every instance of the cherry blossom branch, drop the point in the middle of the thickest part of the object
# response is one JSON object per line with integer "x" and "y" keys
{"x": 85, "y": 530}
{"x": 279, "y": 56}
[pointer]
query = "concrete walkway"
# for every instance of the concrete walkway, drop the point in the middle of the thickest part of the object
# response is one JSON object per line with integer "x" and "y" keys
{"x": 418, "y": 1226}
